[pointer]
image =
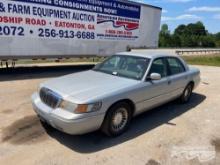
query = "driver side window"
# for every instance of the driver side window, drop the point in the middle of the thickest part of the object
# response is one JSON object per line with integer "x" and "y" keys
{"x": 159, "y": 66}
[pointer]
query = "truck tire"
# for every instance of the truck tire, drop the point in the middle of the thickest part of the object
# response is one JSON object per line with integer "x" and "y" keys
{"x": 117, "y": 119}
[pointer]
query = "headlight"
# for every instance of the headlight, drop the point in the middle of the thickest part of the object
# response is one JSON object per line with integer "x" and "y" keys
{"x": 80, "y": 108}
{"x": 68, "y": 106}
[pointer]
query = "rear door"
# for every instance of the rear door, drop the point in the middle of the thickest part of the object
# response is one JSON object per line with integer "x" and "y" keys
{"x": 177, "y": 76}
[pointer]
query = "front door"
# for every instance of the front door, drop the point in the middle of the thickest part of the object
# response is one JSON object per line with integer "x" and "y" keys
{"x": 155, "y": 92}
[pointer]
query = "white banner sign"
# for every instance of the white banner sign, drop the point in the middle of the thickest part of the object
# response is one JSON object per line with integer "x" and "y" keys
{"x": 67, "y": 19}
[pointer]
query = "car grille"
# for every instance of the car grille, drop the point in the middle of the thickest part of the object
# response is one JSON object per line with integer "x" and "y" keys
{"x": 49, "y": 97}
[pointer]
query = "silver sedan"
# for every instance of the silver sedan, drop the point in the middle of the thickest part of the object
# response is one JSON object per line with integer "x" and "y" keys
{"x": 114, "y": 91}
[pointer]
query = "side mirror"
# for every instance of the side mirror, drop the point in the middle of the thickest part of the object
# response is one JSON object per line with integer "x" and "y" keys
{"x": 155, "y": 76}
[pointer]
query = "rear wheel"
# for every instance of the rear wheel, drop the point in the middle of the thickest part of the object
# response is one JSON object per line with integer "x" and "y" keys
{"x": 117, "y": 119}
{"x": 187, "y": 93}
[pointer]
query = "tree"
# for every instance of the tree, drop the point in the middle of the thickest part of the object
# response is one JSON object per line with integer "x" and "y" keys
{"x": 217, "y": 36}
{"x": 200, "y": 29}
{"x": 176, "y": 41}
{"x": 208, "y": 41}
{"x": 165, "y": 36}
{"x": 191, "y": 35}
{"x": 180, "y": 30}
{"x": 165, "y": 29}
{"x": 217, "y": 39}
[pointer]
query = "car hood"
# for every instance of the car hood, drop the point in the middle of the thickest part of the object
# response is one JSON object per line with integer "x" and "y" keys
{"x": 88, "y": 85}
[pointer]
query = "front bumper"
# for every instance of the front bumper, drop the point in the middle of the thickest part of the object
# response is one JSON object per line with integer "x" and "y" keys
{"x": 65, "y": 121}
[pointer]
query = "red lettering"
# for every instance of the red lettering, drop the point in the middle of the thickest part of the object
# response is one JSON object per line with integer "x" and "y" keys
{"x": 14, "y": 20}
{"x": 37, "y": 22}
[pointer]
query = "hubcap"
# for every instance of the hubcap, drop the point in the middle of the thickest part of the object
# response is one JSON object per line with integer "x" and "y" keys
{"x": 187, "y": 93}
{"x": 119, "y": 119}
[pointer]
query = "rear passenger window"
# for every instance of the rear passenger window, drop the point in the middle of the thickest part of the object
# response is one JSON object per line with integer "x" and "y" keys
{"x": 175, "y": 66}
{"x": 159, "y": 66}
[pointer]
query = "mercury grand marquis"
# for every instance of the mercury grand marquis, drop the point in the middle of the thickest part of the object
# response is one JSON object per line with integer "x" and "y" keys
{"x": 113, "y": 92}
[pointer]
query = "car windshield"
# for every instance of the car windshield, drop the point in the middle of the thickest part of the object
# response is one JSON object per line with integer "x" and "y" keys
{"x": 124, "y": 66}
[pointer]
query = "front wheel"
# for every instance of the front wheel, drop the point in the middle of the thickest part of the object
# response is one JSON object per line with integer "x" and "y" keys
{"x": 187, "y": 93}
{"x": 117, "y": 119}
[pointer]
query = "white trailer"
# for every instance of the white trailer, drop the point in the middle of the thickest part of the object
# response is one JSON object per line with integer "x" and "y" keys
{"x": 31, "y": 29}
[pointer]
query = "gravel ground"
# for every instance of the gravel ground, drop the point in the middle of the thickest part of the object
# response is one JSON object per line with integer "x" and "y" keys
{"x": 171, "y": 134}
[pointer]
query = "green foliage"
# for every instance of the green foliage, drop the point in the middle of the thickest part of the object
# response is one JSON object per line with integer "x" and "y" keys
{"x": 191, "y": 35}
{"x": 165, "y": 29}
{"x": 217, "y": 36}
{"x": 217, "y": 39}
{"x": 217, "y": 43}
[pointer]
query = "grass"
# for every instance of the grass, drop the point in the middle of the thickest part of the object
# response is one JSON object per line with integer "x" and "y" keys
{"x": 74, "y": 61}
{"x": 209, "y": 60}
{"x": 71, "y": 60}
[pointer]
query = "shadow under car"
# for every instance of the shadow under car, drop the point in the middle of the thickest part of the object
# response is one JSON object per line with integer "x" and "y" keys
{"x": 96, "y": 141}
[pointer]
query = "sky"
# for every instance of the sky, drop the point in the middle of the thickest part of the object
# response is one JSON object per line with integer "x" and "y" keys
{"x": 176, "y": 12}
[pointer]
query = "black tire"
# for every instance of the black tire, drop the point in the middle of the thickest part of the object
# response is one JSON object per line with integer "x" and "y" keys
{"x": 109, "y": 126}
{"x": 187, "y": 93}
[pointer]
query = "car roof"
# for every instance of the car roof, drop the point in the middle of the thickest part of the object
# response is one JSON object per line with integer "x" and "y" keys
{"x": 150, "y": 55}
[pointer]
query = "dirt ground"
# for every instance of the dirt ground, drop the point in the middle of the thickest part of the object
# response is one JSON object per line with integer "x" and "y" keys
{"x": 171, "y": 134}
